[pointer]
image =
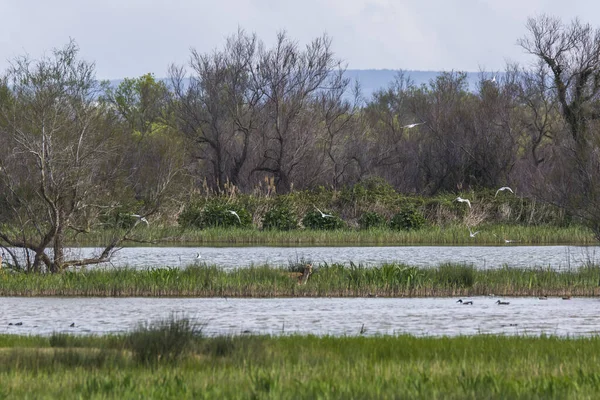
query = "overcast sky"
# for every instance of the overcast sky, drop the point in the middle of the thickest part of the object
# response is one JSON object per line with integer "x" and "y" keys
{"x": 127, "y": 38}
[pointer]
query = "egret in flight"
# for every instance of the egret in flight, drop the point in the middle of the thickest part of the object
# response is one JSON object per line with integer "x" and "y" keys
{"x": 508, "y": 240}
{"x": 412, "y": 125}
{"x": 463, "y": 201}
{"x": 323, "y": 215}
{"x": 140, "y": 218}
{"x": 503, "y": 189}
{"x": 236, "y": 215}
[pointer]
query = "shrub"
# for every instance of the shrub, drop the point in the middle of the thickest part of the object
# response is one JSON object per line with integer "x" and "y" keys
{"x": 191, "y": 216}
{"x": 407, "y": 219}
{"x": 281, "y": 218}
{"x": 214, "y": 214}
{"x": 314, "y": 220}
{"x": 166, "y": 340}
{"x": 370, "y": 220}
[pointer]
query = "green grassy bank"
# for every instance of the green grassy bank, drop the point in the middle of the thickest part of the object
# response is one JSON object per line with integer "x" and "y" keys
{"x": 454, "y": 234}
{"x": 184, "y": 366}
{"x": 389, "y": 280}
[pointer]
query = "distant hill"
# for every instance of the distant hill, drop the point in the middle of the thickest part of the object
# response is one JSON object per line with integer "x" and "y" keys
{"x": 372, "y": 80}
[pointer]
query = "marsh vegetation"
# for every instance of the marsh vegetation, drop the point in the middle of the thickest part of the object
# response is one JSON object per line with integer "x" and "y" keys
{"x": 173, "y": 358}
{"x": 336, "y": 280}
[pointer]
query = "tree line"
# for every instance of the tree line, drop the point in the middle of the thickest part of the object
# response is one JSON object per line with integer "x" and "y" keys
{"x": 282, "y": 118}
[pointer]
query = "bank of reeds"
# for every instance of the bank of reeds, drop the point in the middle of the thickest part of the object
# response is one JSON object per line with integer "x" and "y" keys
{"x": 388, "y": 280}
{"x": 303, "y": 367}
{"x": 455, "y": 234}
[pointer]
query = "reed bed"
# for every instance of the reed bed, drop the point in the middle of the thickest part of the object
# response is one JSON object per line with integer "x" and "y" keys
{"x": 447, "y": 235}
{"x": 301, "y": 367}
{"x": 336, "y": 280}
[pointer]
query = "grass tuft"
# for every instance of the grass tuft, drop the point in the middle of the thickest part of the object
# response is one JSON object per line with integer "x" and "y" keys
{"x": 166, "y": 340}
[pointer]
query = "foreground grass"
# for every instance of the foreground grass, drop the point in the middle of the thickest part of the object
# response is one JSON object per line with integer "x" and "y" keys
{"x": 300, "y": 367}
{"x": 389, "y": 280}
{"x": 448, "y": 235}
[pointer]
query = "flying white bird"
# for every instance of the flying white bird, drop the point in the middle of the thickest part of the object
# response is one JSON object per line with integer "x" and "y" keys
{"x": 198, "y": 256}
{"x": 508, "y": 240}
{"x": 322, "y": 213}
{"x": 236, "y": 215}
{"x": 412, "y": 125}
{"x": 503, "y": 188}
{"x": 494, "y": 79}
{"x": 140, "y": 218}
{"x": 463, "y": 201}
{"x": 472, "y": 234}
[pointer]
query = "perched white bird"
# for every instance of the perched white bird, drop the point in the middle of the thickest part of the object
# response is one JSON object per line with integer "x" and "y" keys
{"x": 463, "y": 201}
{"x": 322, "y": 213}
{"x": 140, "y": 218}
{"x": 412, "y": 125}
{"x": 503, "y": 189}
{"x": 236, "y": 215}
{"x": 472, "y": 234}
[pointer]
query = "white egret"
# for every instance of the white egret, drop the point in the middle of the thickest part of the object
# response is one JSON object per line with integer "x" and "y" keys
{"x": 323, "y": 215}
{"x": 463, "y": 201}
{"x": 412, "y": 125}
{"x": 236, "y": 215}
{"x": 503, "y": 189}
{"x": 508, "y": 240}
{"x": 140, "y": 218}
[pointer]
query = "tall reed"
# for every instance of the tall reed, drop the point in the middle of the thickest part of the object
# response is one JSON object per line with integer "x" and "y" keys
{"x": 389, "y": 280}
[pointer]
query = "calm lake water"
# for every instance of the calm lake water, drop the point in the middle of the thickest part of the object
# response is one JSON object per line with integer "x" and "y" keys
{"x": 320, "y": 316}
{"x": 557, "y": 257}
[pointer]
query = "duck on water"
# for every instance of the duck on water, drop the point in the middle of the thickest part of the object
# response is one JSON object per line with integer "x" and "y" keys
{"x": 465, "y": 303}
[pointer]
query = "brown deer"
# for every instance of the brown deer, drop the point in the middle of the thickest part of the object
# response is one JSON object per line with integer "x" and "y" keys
{"x": 303, "y": 276}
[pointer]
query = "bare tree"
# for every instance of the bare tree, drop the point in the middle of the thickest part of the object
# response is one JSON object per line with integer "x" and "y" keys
{"x": 540, "y": 116}
{"x": 61, "y": 160}
{"x": 290, "y": 80}
{"x": 218, "y": 107}
{"x": 572, "y": 52}
{"x": 390, "y": 148}
{"x": 572, "y": 55}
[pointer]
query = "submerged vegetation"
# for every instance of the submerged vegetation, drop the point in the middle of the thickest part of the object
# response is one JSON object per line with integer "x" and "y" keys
{"x": 298, "y": 367}
{"x": 388, "y": 280}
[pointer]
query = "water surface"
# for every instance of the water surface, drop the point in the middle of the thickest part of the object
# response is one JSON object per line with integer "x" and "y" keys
{"x": 319, "y": 316}
{"x": 556, "y": 257}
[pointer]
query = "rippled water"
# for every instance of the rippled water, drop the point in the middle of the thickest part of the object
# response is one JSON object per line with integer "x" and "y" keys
{"x": 320, "y": 316}
{"x": 557, "y": 257}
